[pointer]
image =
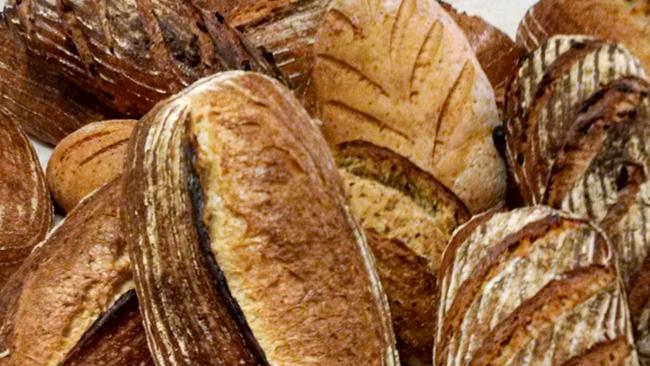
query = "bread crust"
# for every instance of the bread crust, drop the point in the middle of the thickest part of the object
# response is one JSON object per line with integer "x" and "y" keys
{"x": 25, "y": 207}
{"x": 235, "y": 164}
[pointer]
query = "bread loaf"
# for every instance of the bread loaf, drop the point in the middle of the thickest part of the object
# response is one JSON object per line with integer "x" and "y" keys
{"x": 408, "y": 217}
{"x": 532, "y": 287}
{"x": 244, "y": 250}
{"x": 401, "y": 75}
{"x": 131, "y": 53}
{"x": 42, "y": 102}
{"x": 87, "y": 159}
{"x": 623, "y": 21}
{"x": 577, "y": 126}
{"x": 72, "y": 289}
{"x": 25, "y": 207}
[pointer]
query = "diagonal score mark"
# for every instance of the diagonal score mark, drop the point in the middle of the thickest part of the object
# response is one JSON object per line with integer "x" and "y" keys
{"x": 401, "y": 23}
{"x": 346, "y": 67}
{"x": 366, "y": 117}
{"x": 431, "y": 46}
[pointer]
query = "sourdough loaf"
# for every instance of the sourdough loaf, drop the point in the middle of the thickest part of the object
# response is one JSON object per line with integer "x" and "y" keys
{"x": 244, "y": 250}
{"x": 623, "y": 21}
{"x": 528, "y": 287}
{"x": 25, "y": 207}
{"x": 408, "y": 217}
{"x": 73, "y": 288}
{"x": 577, "y": 129}
{"x": 87, "y": 159}
{"x": 402, "y": 75}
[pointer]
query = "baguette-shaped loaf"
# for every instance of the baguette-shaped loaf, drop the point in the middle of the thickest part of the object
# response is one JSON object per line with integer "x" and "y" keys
{"x": 402, "y": 75}
{"x": 532, "y": 287}
{"x": 622, "y": 21}
{"x": 243, "y": 247}
{"x": 86, "y": 160}
{"x": 132, "y": 53}
{"x": 25, "y": 207}
{"x": 408, "y": 217}
{"x": 45, "y": 104}
{"x": 72, "y": 288}
{"x": 577, "y": 129}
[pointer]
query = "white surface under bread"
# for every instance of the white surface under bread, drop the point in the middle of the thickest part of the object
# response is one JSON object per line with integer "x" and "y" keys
{"x": 504, "y": 14}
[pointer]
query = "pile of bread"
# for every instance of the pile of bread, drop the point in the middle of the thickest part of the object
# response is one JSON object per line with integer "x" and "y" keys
{"x": 324, "y": 182}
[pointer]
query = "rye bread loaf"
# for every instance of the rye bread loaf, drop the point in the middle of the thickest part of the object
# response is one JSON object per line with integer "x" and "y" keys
{"x": 577, "y": 128}
{"x": 86, "y": 160}
{"x": 408, "y": 217}
{"x": 402, "y": 75}
{"x": 243, "y": 247}
{"x": 25, "y": 207}
{"x": 529, "y": 287}
{"x": 622, "y": 21}
{"x": 74, "y": 288}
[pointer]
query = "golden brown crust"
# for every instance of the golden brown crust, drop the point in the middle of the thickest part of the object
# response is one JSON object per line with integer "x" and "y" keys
{"x": 87, "y": 159}
{"x": 25, "y": 207}
{"x": 236, "y": 165}
{"x": 73, "y": 277}
{"x": 373, "y": 66}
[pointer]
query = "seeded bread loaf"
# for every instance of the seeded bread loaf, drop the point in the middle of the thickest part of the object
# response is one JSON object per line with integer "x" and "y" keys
{"x": 530, "y": 287}
{"x": 244, "y": 250}
{"x": 25, "y": 207}
{"x": 577, "y": 128}
{"x": 622, "y": 21}
{"x": 87, "y": 159}
{"x": 402, "y": 75}
{"x": 73, "y": 288}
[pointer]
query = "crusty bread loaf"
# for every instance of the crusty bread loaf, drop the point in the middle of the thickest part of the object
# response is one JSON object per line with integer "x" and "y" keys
{"x": 87, "y": 159}
{"x": 244, "y": 250}
{"x": 402, "y": 75}
{"x": 577, "y": 129}
{"x": 42, "y": 102}
{"x": 25, "y": 207}
{"x": 408, "y": 217}
{"x": 532, "y": 287}
{"x": 66, "y": 289}
{"x": 623, "y": 21}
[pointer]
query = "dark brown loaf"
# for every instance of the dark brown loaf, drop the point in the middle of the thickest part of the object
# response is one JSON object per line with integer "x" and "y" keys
{"x": 529, "y": 287}
{"x": 25, "y": 207}
{"x": 577, "y": 130}
{"x": 408, "y": 217}
{"x": 623, "y": 21}
{"x": 244, "y": 250}
{"x": 45, "y": 104}
{"x": 72, "y": 289}
{"x": 402, "y": 75}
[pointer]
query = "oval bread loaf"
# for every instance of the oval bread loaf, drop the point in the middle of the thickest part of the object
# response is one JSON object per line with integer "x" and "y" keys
{"x": 74, "y": 288}
{"x": 529, "y": 287}
{"x": 87, "y": 159}
{"x": 402, "y": 75}
{"x": 244, "y": 250}
{"x": 25, "y": 207}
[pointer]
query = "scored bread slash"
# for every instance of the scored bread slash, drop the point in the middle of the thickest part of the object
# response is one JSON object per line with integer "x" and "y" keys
{"x": 87, "y": 159}
{"x": 532, "y": 286}
{"x": 244, "y": 250}
{"x": 25, "y": 206}
{"x": 79, "y": 275}
{"x": 402, "y": 75}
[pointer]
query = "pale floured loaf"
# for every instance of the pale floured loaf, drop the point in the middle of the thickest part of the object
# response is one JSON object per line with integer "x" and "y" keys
{"x": 402, "y": 75}
{"x": 532, "y": 287}
{"x": 243, "y": 247}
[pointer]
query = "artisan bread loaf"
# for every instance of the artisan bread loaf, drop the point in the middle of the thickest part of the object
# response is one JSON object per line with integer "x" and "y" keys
{"x": 76, "y": 286}
{"x": 623, "y": 21}
{"x": 244, "y": 250}
{"x": 408, "y": 217}
{"x": 87, "y": 159}
{"x": 402, "y": 75}
{"x": 532, "y": 286}
{"x": 25, "y": 207}
{"x": 577, "y": 128}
